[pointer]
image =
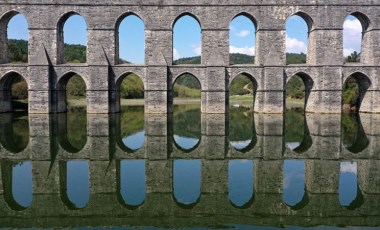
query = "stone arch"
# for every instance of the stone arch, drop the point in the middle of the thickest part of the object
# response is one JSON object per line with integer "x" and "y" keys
{"x": 181, "y": 15}
{"x": 248, "y": 41}
{"x": 364, "y": 83}
{"x": 119, "y": 81}
{"x": 6, "y": 89}
{"x": 366, "y": 46}
{"x": 186, "y": 14}
{"x": 307, "y": 81}
{"x": 190, "y": 150}
{"x": 60, "y": 34}
{"x": 250, "y": 76}
{"x": 4, "y": 20}
{"x": 119, "y": 20}
{"x": 302, "y": 204}
{"x": 184, "y": 73}
{"x": 247, "y": 15}
{"x": 60, "y": 88}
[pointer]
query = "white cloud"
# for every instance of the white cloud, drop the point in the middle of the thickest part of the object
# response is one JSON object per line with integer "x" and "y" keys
{"x": 352, "y": 34}
{"x": 243, "y": 33}
{"x": 349, "y": 167}
{"x": 243, "y": 50}
{"x": 197, "y": 49}
{"x": 176, "y": 55}
{"x": 348, "y": 51}
{"x": 293, "y": 45}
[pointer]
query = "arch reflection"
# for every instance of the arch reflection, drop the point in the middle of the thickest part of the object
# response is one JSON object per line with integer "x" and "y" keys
{"x": 295, "y": 194}
{"x": 130, "y": 127}
{"x": 14, "y": 135}
{"x": 354, "y": 138}
{"x": 187, "y": 176}
{"x": 187, "y": 127}
{"x": 75, "y": 183}
{"x": 17, "y": 184}
{"x": 297, "y": 134}
{"x": 240, "y": 183}
{"x": 131, "y": 183}
{"x": 350, "y": 195}
{"x": 72, "y": 129}
{"x": 242, "y": 132}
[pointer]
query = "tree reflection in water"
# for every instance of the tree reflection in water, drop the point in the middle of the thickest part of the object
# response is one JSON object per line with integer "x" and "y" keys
{"x": 242, "y": 133}
{"x": 131, "y": 127}
{"x": 187, "y": 126}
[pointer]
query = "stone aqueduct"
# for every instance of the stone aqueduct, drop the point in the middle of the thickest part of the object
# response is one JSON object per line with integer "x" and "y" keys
{"x": 323, "y": 74}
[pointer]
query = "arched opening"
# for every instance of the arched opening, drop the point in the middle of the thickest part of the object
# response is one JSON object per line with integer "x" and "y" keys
{"x": 242, "y": 132}
{"x": 130, "y": 40}
{"x": 298, "y": 89}
{"x": 242, "y": 91}
{"x": 14, "y": 93}
{"x": 72, "y": 39}
{"x": 355, "y": 27}
{"x": 187, "y": 181}
{"x": 14, "y": 134}
{"x": 354, "y": 90}
{"x": 17, "y": 184}
{"x": 242, "y": 39}
{"x": 298, "y": 30}
{"x": 354, "y": 138}
{"x": 14, "y": 38}
{"x": 131, "y": 183}
{"x": 187, "y": 112}
{"x": 350, "y": 195}
{"x": 295, "y": 194}
{"x": 71, "y": 91}
{"x": 240, "y": 183}
{"x": 75, "y": 183}
{"x": 187, "y": 40}
{"x": 130, "y": 91}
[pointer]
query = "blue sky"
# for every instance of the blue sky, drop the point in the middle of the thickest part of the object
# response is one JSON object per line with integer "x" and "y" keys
{"x": 187, "y": 35}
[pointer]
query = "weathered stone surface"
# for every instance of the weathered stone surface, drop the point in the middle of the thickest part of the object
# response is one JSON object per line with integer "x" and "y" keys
{"x": 325, "y": 69}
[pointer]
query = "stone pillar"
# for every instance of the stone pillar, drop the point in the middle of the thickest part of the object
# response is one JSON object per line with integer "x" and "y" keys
{"x": 326, "y": 95}
{"x": 270, "y": 52}
{"x": 158, "y": 55}
{"x": 322, "y": 176}
{"x": 98, "y": 136}
{"x": 40, "y": 71}
{"x": 370, "y": 53}
{"x": 370, "y": 96}
{"x": 215, "y": 55}
{"x": 100, "y": 46}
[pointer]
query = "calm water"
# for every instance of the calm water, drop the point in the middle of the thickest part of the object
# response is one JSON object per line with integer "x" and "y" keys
{"x": 190, "y": 171}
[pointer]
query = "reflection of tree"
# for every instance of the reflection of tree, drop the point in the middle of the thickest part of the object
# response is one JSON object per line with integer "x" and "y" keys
{"x": 131, "y": 120}
{"x": 241, "y": 124}
{"x": 353, "y": 135}
{"x": 77, "y": 126}
{"x": 294, "y": 125}
{"x": 187, "y": 121}
{"x": 21, "y": 130}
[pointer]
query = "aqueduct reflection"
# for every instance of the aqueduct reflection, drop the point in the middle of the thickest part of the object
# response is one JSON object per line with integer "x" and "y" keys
{"x": 297, "y": 176}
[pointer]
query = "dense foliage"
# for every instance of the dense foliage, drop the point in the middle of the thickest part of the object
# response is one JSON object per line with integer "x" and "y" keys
{"x": 18, "y": 51}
